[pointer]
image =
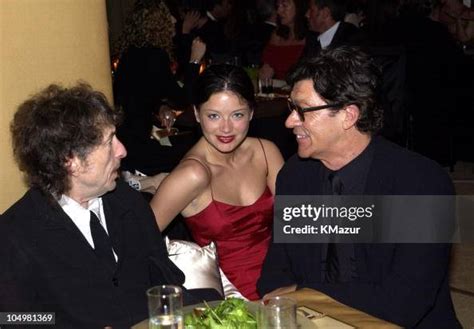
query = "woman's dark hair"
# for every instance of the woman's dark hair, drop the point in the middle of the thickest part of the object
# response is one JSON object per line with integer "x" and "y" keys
{"x": 55, "y": 125}
{"x": 301, "y": 23}
{"x": 223, "y": 77}
{"x": 345, "y": 75}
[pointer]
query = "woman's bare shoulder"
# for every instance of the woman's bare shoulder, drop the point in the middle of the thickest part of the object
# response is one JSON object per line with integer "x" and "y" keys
{"x": 194, "y": 170}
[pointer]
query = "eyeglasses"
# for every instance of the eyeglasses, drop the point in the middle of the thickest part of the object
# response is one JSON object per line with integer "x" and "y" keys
{"x": 301, "y": 111}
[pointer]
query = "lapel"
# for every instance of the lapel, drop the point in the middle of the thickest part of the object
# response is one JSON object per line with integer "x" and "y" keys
{"x": 65, "y": 234}
{"x": 58, "y": 232}
{"x": 55, "y": 219}
{"x": 339, "y": 36}
{"x": 116, "y": 215}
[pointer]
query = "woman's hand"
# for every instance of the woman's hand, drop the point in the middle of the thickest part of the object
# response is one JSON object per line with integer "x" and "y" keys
{"x": 154, "y": 182}
{"x": 198, "y": 49}
{"x": 266, "y": 72}
{"x": 147, "y": 184}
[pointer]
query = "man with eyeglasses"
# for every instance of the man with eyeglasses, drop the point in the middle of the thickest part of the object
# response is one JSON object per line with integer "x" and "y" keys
{"x": 335, "y": 114}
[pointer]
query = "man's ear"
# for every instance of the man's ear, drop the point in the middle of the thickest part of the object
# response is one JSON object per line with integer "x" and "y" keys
{"x": 72, "y": 165}
{"x": 326, "y": 13}
{"x": 352, "y": 114}
{"x": 196, "y": 114}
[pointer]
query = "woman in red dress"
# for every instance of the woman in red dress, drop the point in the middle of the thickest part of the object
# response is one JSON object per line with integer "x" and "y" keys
{"x": 224, "y": 185}
{"x": 287, "y": 41}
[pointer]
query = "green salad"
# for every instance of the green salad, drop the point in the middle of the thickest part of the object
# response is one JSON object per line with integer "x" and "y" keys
{"x": 230, "y": 314}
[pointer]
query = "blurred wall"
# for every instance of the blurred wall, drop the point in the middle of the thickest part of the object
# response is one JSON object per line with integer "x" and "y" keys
{"x": 41, "y": 42}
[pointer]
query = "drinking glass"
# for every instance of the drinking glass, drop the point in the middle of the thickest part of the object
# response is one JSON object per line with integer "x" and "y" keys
{"x": 165, "y": 307}
{"x": 167, "y": 117}
{"x": 267, "y": 85}
{"x": 277, "y": 313}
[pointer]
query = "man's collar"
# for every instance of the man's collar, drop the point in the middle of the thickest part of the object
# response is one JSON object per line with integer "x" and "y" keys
{"x": 211, "y": 17}
{"x": 271, "y": 23}
{"x": 326, "y": 37}
{"x": 93, "y": 204}
{"x": 354, "y": 174}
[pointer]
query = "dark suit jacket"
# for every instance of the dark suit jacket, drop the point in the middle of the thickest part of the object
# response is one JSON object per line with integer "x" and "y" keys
{"x": 346, "y": 34}
{"x": 402, "y": 283}
{"x": 142, "y": 81}
{"x": 47, "y": 264}
{"x": 218, "y": 46}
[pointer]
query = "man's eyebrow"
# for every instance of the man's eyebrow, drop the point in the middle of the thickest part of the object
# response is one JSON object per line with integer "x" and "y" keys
{"x": 111, "y": 135}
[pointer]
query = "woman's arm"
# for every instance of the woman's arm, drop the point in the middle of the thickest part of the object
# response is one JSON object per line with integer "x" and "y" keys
{"x": 178, "y": 190}
{"x": 275, "y": 162}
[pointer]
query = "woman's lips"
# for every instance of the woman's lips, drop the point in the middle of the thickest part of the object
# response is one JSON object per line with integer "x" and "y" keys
{"x": 225, "y": 139}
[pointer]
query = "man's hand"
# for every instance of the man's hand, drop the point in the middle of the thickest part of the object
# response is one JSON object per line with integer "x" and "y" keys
{"x": 190, "y": 21}
{"x": 198, "y": 49}
{"x": 266, "y": 72}
{"x": 279, "y": 292}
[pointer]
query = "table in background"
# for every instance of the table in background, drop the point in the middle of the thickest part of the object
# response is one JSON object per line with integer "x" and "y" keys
{"x": 322, "y": 303}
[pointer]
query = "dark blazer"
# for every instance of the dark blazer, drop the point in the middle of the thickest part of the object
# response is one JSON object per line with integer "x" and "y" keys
{"x": 218, "y": 46}
{"x": 346, "y": 34}
{"x": 143, "y": 80}
{"x": 406, "y": 284}
{"x": 47, "y": 264}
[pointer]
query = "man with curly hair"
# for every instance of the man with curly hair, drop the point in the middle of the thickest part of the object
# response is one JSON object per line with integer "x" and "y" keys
{"x": 79, "y": 243}
{"x": 335, "y": 114}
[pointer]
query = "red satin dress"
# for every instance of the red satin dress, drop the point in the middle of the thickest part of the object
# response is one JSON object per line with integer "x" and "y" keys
{"x": 281, "y": 58}
{"x": 242, "y": 235}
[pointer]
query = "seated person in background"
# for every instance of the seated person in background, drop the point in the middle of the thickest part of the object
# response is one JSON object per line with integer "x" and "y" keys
{"x": 287, "y": 41}
{"x": 145, "y": 80}
{"x": 458, "y": 18}
{"x": 78, "y": 243}
{"x": 207, "y": 20}
{"x": 224, "y": 185}
{"x": 262, "y": 29}
{"x": 327, "y": 26}
{"x": 404, "y": 283}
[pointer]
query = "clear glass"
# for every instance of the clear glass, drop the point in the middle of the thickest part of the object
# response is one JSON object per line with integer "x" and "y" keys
{"x": 165, "y": 307}
{"x": 277, "y": 313}
{"x": 267, "y": 85}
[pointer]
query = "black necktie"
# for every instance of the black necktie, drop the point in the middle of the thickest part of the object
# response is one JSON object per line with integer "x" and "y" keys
{"x": 102, "y": 245}
{"x": 339, "y": 256}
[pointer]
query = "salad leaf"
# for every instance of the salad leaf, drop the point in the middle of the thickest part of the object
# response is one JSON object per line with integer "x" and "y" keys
{"x": 232, "y": 313}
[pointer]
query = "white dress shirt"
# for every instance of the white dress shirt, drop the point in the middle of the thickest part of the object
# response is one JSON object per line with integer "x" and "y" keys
{"x": 326, "y": 37}
{"x": 81, "y": 216}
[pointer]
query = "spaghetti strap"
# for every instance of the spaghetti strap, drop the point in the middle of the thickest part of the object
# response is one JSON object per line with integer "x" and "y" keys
{"x": 265, "y": 156}
{"x": 207, "y": 169}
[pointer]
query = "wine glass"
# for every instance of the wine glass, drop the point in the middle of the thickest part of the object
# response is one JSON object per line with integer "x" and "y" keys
{"x": 167, "y": 117}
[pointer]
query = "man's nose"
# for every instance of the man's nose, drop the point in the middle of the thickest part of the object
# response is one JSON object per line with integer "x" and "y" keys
{"x": 293, "y": 120}
{"x": 120, "y": 150}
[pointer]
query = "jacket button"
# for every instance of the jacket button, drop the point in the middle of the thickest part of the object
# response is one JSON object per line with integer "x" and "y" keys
{"x": 115, "y": 282}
